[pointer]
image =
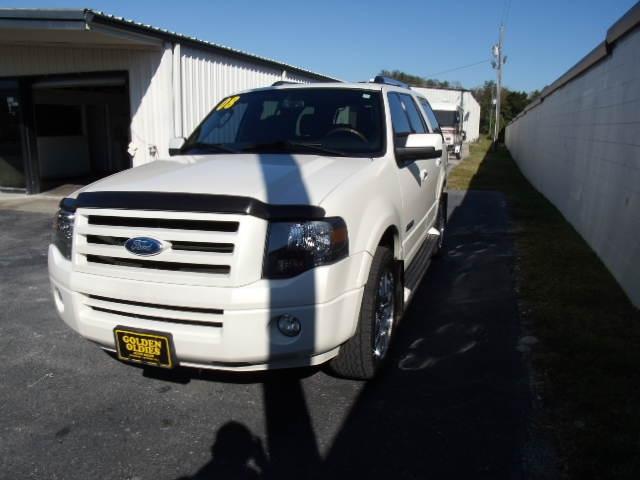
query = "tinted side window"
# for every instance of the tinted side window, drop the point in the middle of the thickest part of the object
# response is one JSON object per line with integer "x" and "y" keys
{"x": 415, "y": 118}
{"x": 399, "y": 118}
{"x": 433, "y": 121}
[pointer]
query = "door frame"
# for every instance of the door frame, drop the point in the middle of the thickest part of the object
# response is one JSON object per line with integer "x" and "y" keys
{"x": 24, "y": 141}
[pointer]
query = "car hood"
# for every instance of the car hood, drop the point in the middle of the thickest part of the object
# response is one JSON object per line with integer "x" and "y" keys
{"x": 272, "y": 178}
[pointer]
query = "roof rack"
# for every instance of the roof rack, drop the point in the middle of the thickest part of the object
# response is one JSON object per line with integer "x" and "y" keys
{"x": 390, "y": 81}
{"x": 283, "y": 82}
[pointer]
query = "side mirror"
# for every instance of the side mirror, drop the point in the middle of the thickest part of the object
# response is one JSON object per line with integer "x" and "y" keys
{"x": 464, "y": 135}
{"x": 419, "y": 146}
{"x": 175, "y": 144}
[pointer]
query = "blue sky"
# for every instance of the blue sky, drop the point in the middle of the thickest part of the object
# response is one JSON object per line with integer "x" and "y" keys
{"x": 353, "y": 39}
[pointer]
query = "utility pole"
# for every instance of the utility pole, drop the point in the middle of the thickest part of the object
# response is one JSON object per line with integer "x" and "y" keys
{"x": 498, "y": 61}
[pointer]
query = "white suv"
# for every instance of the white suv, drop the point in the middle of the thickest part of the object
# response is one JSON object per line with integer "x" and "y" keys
{"x": 290, "y": 229}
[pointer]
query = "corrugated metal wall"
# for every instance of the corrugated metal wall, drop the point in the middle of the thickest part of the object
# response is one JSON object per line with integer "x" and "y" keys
{"x": 209, "y": 77}
{"x": 580, "y": 147}
{"x": 205, "y": 78}
{"x": 149, "y": 83}
{"x": 457, "y": 97}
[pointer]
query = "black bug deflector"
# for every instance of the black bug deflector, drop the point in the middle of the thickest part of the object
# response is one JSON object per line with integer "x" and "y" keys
{"x": 192, "y": 202}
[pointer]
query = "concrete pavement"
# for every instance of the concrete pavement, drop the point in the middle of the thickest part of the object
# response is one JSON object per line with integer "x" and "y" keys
{"x": 451, "y": 403}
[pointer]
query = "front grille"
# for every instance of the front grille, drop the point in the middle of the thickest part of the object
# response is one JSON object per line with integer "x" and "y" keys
{"x": 208, "y": 226}
{"x": 197, "y": 248}
{"x": 175, "y": 245}
{"x": 210, "y": 317}
{"x": 158, "y": 265}
{"x": 213, "y": 311}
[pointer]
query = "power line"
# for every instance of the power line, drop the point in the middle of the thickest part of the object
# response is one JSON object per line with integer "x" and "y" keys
{"x": 458, "y": 68}
{"x": 506, "y": 8}
{"x": 505, "y": 13}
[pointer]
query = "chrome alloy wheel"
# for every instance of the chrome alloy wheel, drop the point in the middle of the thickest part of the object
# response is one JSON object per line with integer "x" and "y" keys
{"x": 385, "y": 313}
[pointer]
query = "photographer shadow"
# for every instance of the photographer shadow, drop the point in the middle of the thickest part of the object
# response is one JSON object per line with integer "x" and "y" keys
{"x": 236, "y": 454}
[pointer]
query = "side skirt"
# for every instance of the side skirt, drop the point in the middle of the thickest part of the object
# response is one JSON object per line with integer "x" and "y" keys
{"x": 418, "y": 267}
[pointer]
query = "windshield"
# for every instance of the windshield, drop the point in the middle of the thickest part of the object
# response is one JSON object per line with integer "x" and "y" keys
{"x": 446, "y": 118}
{"x": 327, "y": 121}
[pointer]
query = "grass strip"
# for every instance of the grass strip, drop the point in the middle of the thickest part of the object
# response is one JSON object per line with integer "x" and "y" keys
{"x": 587, "y": 364}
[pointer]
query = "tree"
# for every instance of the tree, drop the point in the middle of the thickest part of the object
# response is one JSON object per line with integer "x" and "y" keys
{"x": 417, "y": 81}
{"x": 513, "y": 102}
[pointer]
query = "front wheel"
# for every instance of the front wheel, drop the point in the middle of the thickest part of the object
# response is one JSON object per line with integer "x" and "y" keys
{"x": 361, "y": 356}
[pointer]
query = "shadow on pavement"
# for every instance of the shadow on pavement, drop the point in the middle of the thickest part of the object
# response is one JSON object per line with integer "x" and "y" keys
{"x": 453, "y": 398}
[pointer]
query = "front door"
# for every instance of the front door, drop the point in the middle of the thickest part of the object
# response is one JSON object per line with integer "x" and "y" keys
{"x": 413, "y": 176}
{"x": 12, "y": 171}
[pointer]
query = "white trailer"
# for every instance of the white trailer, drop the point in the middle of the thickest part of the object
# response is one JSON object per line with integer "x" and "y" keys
{"x": 459, "y": 98}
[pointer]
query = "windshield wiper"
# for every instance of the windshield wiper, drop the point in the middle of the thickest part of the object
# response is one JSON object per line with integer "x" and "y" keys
{"x": 288, "y": 146}
{"x": 208, "y": 148}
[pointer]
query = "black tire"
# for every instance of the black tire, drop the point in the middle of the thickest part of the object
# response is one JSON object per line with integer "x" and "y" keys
{"x": 356, "y": 359}
{"x": 441, "y": 225}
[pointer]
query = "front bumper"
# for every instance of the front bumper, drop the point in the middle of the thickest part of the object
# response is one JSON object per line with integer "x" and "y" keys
{"x": 244, "y": 337}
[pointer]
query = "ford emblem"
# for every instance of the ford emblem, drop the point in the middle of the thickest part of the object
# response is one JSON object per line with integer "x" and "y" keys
{"x": 144, "y": 246}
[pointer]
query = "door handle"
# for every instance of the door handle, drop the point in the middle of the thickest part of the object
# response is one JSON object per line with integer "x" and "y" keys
{"x": 424, "y": 174}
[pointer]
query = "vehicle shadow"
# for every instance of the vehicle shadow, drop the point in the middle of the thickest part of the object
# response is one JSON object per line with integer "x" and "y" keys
{"x": 452, "y": 399}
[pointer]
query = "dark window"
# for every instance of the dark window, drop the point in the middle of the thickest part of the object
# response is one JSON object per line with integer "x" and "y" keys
{"x": 325, "y": 121}
{"x": 399, "y": 119}
{"x": 447, "y": 118}
{"x": 415, "y": 117}
{"x": 433, "y": 121}
{"x": 405, "y": 115}
{"x": 58, "y": 120}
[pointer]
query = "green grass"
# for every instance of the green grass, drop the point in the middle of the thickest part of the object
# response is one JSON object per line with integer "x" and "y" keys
{"x": 587, "y": 364}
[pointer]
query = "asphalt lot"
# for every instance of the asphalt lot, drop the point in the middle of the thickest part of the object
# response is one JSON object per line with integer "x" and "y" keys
{"x": 451, "y": 403}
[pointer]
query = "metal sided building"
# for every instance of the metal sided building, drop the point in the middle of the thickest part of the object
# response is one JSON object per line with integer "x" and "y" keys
{"x": 462, "y": 98}
{"x": 84, "y": 94}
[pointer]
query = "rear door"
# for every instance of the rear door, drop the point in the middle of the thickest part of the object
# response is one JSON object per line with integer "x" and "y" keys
{"x": 438, "y": 165}
{"x": 413, "y": 176}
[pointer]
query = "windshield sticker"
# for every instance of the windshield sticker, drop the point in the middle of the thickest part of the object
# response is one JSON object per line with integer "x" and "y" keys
{"x": 366, "y": 95}
{"x": 228, "y": 103}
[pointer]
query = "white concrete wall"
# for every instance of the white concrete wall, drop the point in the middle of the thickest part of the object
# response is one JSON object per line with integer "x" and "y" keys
{"x": 580, "y": 148}
{"x": 465, "y": 99}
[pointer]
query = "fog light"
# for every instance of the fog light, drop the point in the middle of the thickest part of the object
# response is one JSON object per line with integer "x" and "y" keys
{"x": 289, "y": 325}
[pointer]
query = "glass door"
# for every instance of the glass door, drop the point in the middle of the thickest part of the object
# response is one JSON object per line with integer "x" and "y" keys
{"x": 12, "y": 172}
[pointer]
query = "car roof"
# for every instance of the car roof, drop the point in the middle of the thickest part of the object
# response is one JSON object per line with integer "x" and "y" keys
{"x": 335, "y": 85}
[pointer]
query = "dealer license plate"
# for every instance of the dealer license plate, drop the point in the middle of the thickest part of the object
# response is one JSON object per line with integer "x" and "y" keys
{"x": 145, "y": 346}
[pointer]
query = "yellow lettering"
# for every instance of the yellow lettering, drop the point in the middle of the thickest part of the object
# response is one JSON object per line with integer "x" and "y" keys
{"x": 231, "y": 102}
{"x": 223, "y": 103}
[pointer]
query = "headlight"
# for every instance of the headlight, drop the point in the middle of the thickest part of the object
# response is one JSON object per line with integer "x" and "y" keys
{"x": 295, "y": 247}
{"x": 63, "y": 231}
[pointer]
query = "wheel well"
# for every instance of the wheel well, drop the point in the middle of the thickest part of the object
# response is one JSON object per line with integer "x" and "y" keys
{"x": 390, "y": 239}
